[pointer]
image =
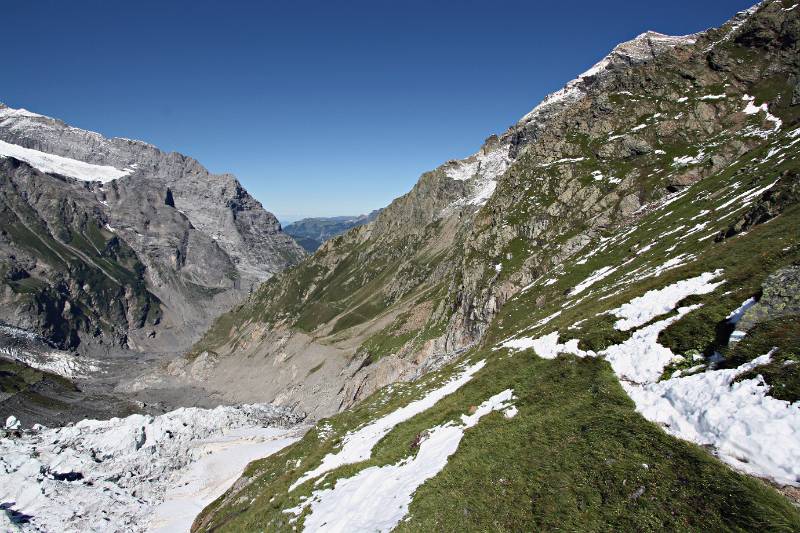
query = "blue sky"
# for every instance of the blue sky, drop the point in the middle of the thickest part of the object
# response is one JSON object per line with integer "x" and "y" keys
{"x": 320, "y": 108}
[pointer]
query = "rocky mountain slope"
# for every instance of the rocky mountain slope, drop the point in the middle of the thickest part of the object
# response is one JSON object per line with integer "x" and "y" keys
{"x": 310, "y": 233}
{"x": 111, "y": 247}
{"x": 595, "y": 312}
{"x": 114, "y": 241}
{"x": 421, "y": 283}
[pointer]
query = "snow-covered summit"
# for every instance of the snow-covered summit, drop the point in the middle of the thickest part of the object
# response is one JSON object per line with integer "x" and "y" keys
{"x": 483, "y": 169}
{"x": 641, "y": 49}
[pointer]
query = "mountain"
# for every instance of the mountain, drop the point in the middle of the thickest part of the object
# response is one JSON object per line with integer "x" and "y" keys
{"x": 112, "y": 249}
{"x": 419, "y": 285}
{"x": 590, "y": 324}
{"x": 310, "y": 233}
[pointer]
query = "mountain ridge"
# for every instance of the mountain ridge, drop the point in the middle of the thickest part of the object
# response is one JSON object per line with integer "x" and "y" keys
{"x": 455, "y": 190}
{"x": 111, "y": 248}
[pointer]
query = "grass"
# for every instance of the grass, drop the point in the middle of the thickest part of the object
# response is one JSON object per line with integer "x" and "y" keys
{"x": 782, "y": 373}
{"x": 17, "y": 377}
{"x": 573, "y": 458}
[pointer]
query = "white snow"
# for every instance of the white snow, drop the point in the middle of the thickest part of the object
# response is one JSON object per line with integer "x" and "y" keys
{"x": 55, "y": 164}
{"x": 377, "y": 498}
{"x": 641, "y": 359}
{"x": 564, "y": 160}
{"x": 222, "y": 460}
{"x": 547, "y": 319}
{"x": 124, "y": 468}
{"x": 752, "y": 109}
{"x": 546, "y": 346}
{"x": 357, "y": 445}
{"x": 651, "y": 304}
{"x": 713, "y": 97}
{"x": 10, "y": 112}
{"x": 482, "y": 193}
{"x": 482, "y": 170}
{"x": 687, "y": 160}
{"x": 639, "y": 48}
{"x": 599, "y": 176}
{"x": 740, "y": 19}
{"x": 66, "y": 364}
{"x": 737, "y": 314}
{"x": 12, "y": 422}
{"x": 746, "y": 197}
{"x": 749, "y": 430}
{"x": 593, "y": 278}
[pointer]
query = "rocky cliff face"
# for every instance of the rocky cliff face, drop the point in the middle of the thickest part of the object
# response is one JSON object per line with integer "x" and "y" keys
{"x": 109, "y": 244}
{"x": 419, "y": 285}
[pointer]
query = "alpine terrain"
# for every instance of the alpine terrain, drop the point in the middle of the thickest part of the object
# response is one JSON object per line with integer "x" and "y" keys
{"x": 591, "y": 324}
{"x": 113, "y": 253}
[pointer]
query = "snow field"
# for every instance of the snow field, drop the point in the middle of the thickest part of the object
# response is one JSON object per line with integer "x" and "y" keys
{"x": 748, "y": 429}
{"x": 110, "y": 475}
{"x": 54, "y": 164}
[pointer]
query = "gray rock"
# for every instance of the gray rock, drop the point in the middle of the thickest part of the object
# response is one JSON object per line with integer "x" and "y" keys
{"x": 145, "y": 262}
{"x": 780, "y": 297}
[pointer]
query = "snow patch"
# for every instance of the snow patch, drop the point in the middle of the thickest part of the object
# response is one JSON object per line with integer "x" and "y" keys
{"x": 54, "y": 164}
{"x": 687, "y": 160}
{"x": 752, "y": 109}
{"x": 749, "y": 430}
{"x": 737, "y": 314}
{"x": 593, "y": 278}
{"x": 377, "y": 498}
{"x": 357, "y": 445}
{"x": 222, "y": 461}
{"x": 482, "y": 171}
{"x": 651, "y": 304}
{"x": 709, "y": 407}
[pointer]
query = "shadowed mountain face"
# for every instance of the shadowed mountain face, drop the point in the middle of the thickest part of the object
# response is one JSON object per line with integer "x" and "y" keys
{"x": 310, "y": 233}
{"x": 110, "y": 244}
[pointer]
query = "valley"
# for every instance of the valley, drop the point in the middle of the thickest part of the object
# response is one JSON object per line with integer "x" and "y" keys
{"x": 592, "y": 323}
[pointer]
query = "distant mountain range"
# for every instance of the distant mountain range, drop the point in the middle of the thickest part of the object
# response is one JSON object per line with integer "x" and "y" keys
{"x": 310, "y": 233}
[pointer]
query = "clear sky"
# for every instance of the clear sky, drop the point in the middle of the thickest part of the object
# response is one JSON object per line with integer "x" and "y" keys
{"x": 320, "y": 108}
